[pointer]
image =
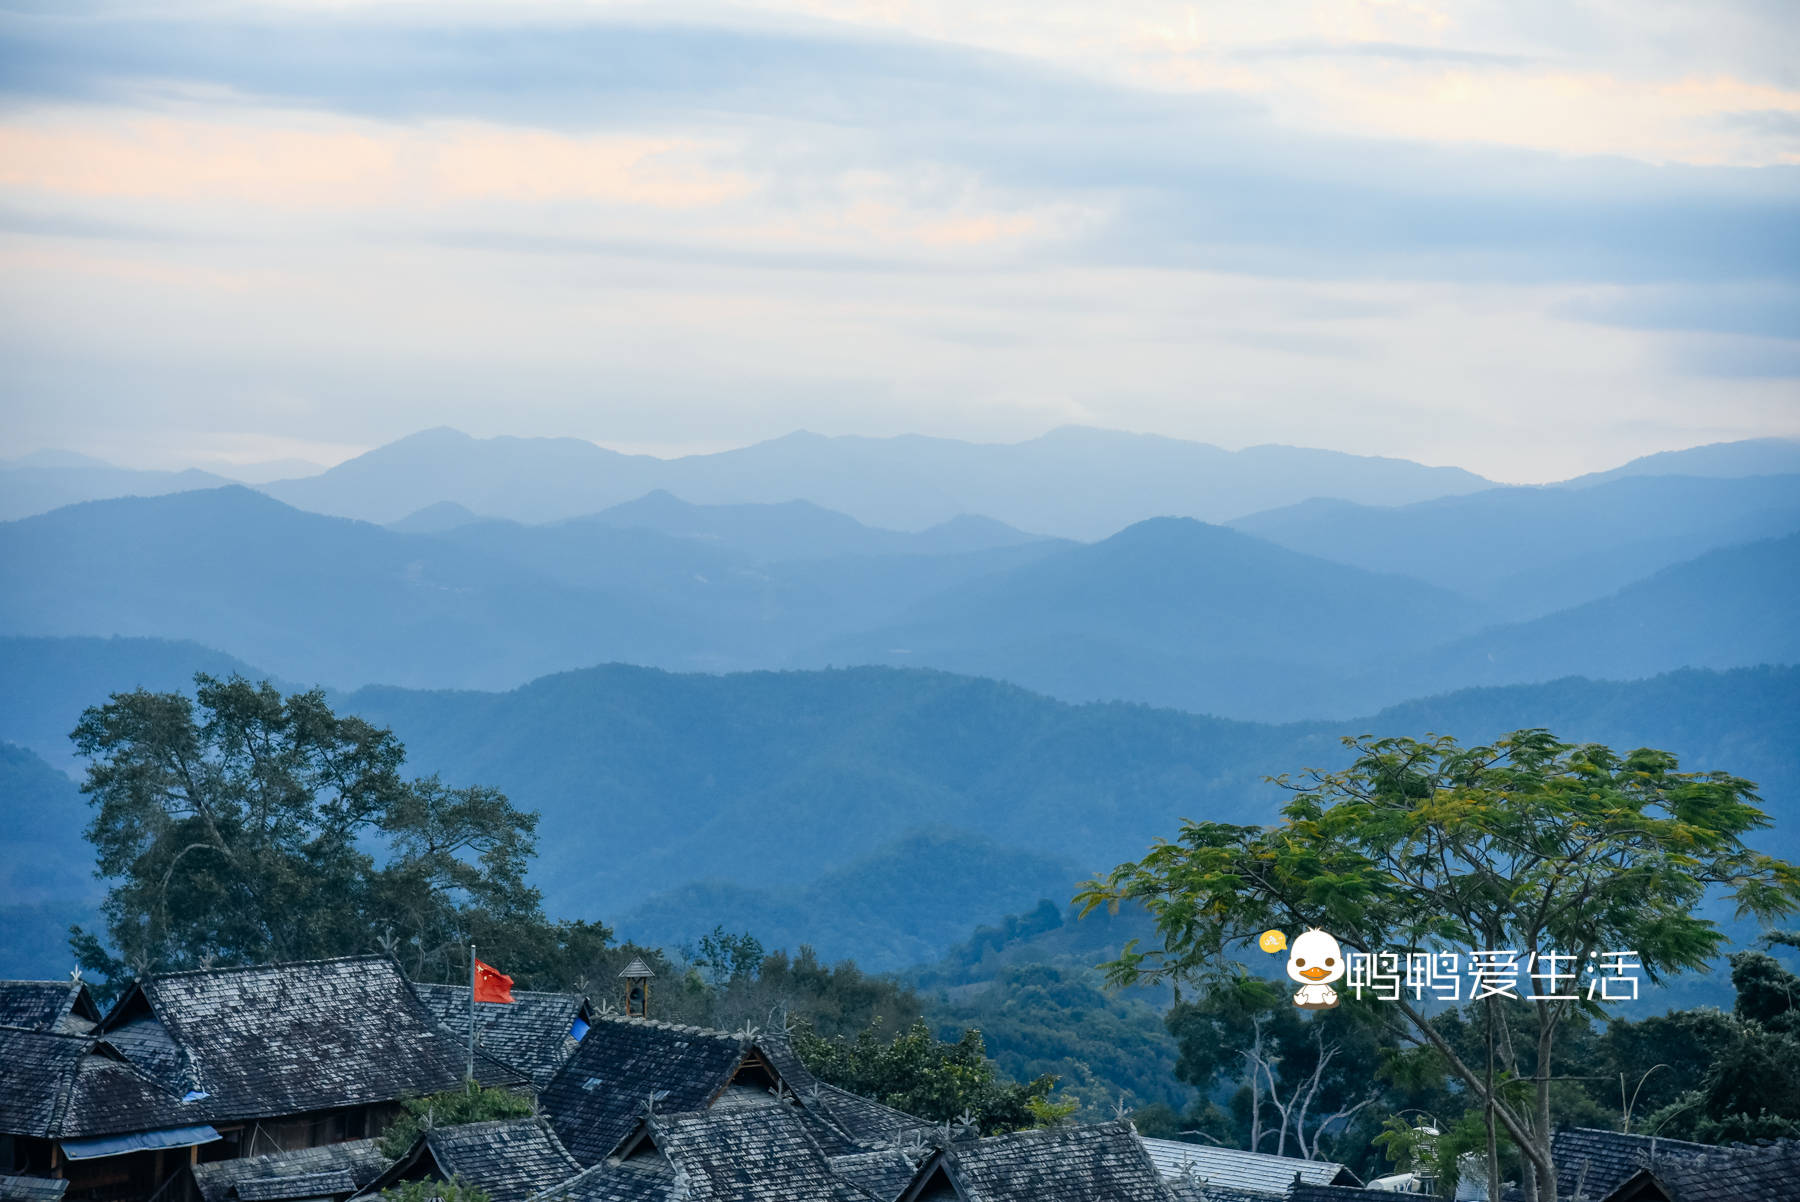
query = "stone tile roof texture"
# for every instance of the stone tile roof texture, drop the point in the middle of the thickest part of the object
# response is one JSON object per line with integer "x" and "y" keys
{"x": 360, "y": 1159}
{"x": 1598, "y": 1161}
{"x": 883, "y": 1174}
{"x": 32, "y": 1189}
{"x": 599, "y": 1095}
{"x": 1249, "y": 1172}
{"x": 40, "y": 1068}
{"x": 315, "y": 1035}
{"x": 760, "y": 1155}
{"x": 510, "y": 1159}
{"x": 70, "y": 1086}
{"x": 609, "y": 1181}
{"x": 333, "y": 1184}
{"x": 65, "y": 1007}
{"x": 1743, "y": 1173}
{"x": 1059, "y": 1164}
{"x": 530, "y": 1034}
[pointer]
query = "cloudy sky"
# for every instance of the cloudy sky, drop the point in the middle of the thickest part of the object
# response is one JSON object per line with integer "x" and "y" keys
{"x": 1527, "y": 237}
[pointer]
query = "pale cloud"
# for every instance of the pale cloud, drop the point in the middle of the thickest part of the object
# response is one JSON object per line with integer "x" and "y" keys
{"x": 278, "y": 159}
{"x": 1474, "y": 233}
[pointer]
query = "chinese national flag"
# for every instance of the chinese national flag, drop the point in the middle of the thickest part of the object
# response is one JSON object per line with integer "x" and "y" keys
{"x": 491, "y": 985}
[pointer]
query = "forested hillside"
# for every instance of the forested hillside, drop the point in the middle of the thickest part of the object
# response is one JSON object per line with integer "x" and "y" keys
{"x": 798, "y": 795}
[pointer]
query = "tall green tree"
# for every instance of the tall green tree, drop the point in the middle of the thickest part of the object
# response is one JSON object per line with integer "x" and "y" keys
{"x": 1529, "y": 844}
{"x": 241, "y": 825}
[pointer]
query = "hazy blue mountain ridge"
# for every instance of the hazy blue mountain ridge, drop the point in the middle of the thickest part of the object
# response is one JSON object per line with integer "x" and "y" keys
{"x": 1073, "y": 482}
{"x": 1532, "y": 551}
{"x": 1746, "y": 457}
{"x": 33, "y": 489}
{"x": 1170, "y": 611}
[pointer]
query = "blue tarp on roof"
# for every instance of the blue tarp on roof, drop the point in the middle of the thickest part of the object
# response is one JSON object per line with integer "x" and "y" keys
{"x": 137, "y": 1141}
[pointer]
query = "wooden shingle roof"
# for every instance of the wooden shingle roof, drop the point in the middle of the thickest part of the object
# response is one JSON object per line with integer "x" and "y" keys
{"x": 750, "y": 1154}
{"x": 622, "y": 1065}
{"x": 73, "y": 1086}
{"x": 330, "y": 1184}
{"x": 285, "y": 1039}
{"x": 1598, "y": 1161}
{"x": 1058, "y": 1164}
{"x": 644, "y": 1180}
{"x": 508, "y": 1159}
{"x": 1765, "y": 1173}
{"x": 65, "y": 1007}
{"x": 221, "y": 1180}
{"x": 765, "y": 1154}
{"x": 884, "y": 1175}
{"x": 533, "y": 1033}
{"x": 32, "y": 1189}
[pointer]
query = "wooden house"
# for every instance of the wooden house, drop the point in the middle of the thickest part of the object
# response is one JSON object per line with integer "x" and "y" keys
{"x": 625, "y": 1064}
{"x": 193, "y": 1067}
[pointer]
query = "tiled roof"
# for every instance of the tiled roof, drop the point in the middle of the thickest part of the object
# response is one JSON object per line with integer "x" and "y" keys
{"x": 869, "y": 1124}
{"x": 289, "y": 1038}
{"x": 645, "y": 1180}
{"x": 361, "y": 1160}
{"x": 509, "y": 1159}
{"x": 65, "y": 1007}
{"x": 333, "y": 1184}
{"x": 1599, "y": 1160}
{"x": 881, "y": 1175}
{"x": 32, "y": 1189}
{"x": 69, "y": 1086}
{"x": 763, "y": 1154}
{"x": 531, "y": 1033}
{"x": 147, "y": 1043}
{"x": 622, "y": 1063}
{"x": 1766, "y": 1173}
{"x": 111, "y": 1096}
{"x": 1058, "y": 1164}
{"x": 39, "y": 1069}
{"x": 1247, "y": 1172}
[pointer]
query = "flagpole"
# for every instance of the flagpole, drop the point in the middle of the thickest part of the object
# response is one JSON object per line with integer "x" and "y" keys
{"x": 471, "y": 1010}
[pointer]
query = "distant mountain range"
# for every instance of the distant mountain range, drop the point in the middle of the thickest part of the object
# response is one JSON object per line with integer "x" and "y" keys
{"x": 665, "y": 796}
{"x": 1169, "y": 611}
{"x": 1532, "y": 551}
{"x": 1073, "y": 482}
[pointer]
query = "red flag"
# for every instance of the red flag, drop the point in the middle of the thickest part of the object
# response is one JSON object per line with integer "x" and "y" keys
{"x": 491, "y": 985}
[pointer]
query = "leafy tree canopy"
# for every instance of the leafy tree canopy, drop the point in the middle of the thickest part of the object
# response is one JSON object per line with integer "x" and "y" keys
{"x": 945, "y": 1081}
{"x": 471, "y": 1104}
{"x": 1529, "y": 844}
{"x": 242, "y": 826}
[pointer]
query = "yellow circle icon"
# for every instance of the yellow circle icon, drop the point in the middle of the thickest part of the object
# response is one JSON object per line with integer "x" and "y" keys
{"x": 1271, "y": 941}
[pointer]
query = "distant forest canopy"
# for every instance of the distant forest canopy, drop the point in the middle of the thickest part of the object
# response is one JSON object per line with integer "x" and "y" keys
{"x": 732, "y": 790}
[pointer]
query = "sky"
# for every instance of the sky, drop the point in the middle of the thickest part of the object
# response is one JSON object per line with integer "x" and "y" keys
{"x": 1525, "y": 237}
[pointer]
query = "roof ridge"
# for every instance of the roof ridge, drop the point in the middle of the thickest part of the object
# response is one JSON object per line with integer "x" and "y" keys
{"x": 50, "y": 1034}
{"x": 638, "y": 1020}
{"x": 272, "y": 964}
{"x": 562, "y": 993}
